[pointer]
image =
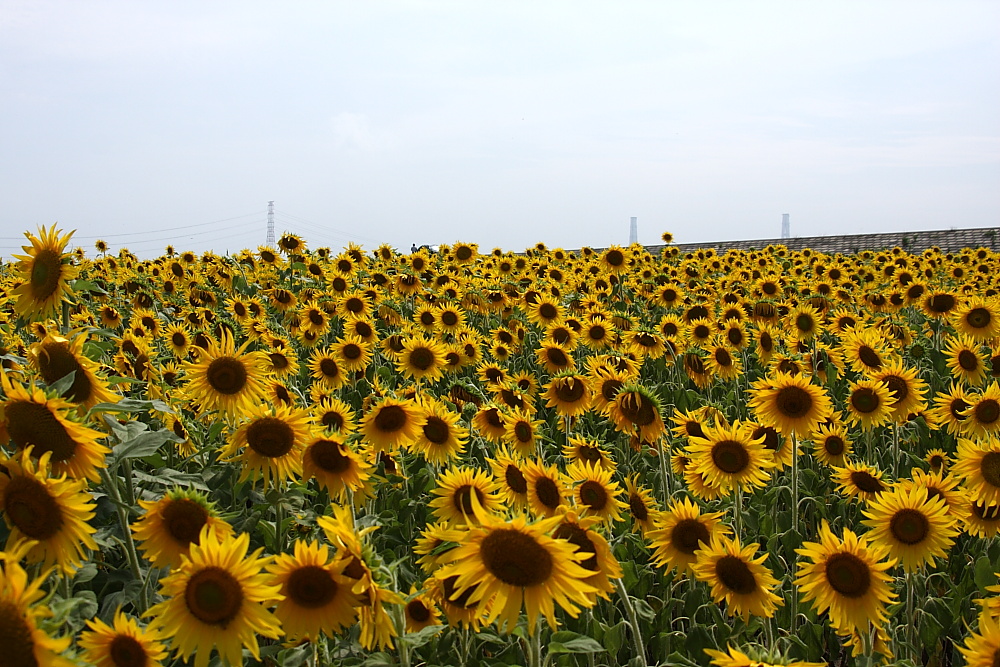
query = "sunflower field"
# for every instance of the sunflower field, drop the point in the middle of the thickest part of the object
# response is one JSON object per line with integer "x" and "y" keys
{"x": 296, "y": 456}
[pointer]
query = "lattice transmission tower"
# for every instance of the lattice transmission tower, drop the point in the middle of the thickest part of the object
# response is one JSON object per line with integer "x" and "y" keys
{"x": 270, "y": 224}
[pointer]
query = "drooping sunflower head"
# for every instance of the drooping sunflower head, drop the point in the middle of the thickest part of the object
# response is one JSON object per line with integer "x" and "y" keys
{"x": 171, "y": 525}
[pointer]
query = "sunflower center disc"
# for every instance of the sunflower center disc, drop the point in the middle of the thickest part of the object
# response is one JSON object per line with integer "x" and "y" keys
{"x": 834, "y": 445}
{"x": 866, "y": 482}
{"x": 990, "y": 469}
{"x": 30, "y": 423}
{"x": 127, "y": 652}
{"x": 722, "y": 358}
{"x": 45, "y": 273}
{"x": 328, "y": 456}
{"x": 730, "y": 456}
{"x": 909, "y": 526}
{"x": 333, "y": 420}
{"x": 436, "y": 430}
{"x": 227, "y": 375}
{"x": 865, "y": 400}
{"x": 593, "y": 495}
{"x": 31, "y": 509}
{"x": 422, "y": 358}
{"x": 848, "y": 575}
{"x": 556, "y": 357}
{"x": 735, "y": 575}
{"x": 352, "y": 351}
{"x": 577, "y": 536}
{"x": 638, "y": 507}
{"x": 869, "y": 357}
{"x": 270, "y": 437}
{"x": 213, "y": 596}
{"x": 772, "y": 439}
{"x": 968, "y": 360}
{"x": 515, "y": 479}
{"x": 184, "y": 519}
{"x": 688, "y": 535}
{"x": 462, "y": 498}
{"x": 898, "y": 388}
{"x": 311, "y": 586}
{"x": 978, "y": 318}
{"x": 516, "y": 559}
{"x": 522, "y": 431}
{"x": 794, "y": 402}
{"x": 570, "y": 390}
{"x": 610, "y": 388}
{"x": 548, "y": 311}
{"x": 390, "y": 419}
{"x": 461, "y": 600}
{"x": 15, "y": 637}
{"x": 418, "y": 611}
{"x": 55, "y": 361}
{"x": 328, "y": 367}
{"x": 548, "y": 493}
{"x": 987, "y": 411}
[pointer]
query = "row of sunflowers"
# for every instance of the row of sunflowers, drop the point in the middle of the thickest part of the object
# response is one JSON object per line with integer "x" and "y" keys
{"x": 296, "y": 456}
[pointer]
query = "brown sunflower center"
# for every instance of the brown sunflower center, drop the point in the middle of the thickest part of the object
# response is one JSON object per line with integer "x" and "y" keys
{"x": 866, "y": 482}
{"x": 577, "y": 536}
{"x": 214, "y": 596}
{"x": 869, "y": 357}
{"x": 987, "y": 411}
{"x": 735, "y": 575}
{"x": 793, "y": 402}
{"x": 461, "y": 599}
{"x": 55, "y": 361}
{"x": 805, "y": 323}
{"x": 523, "y": 432}
{"x": 436, "y": 430}
{"x": 968, "y": 360}
{"x": 548, "y": 311}
{"x": 422, "y": 358}
{"x": 772, "y": 439}
{"x": 328, "y": 455}
{"x": 834, "y": 445}
{"x": 515, "y": 558}
{"x": 989, "y": 467}
{"x": 15, "y": 637}
{"x": 723, "y": 358}
{"x": 730, "y": 456}
{"x": 570, "y": 390}
{"x": 610, "y": 388}
{"x": 637, "y": 408}
{"x": 126, "y": 651}
{"x": 391, "y": 418}
{"x": 909, "y": 526}
{"x": 556, "y": 357}
{"x": 594, "y": 495}
{"x": 941, "y": 303}
{"x": 311, "y": 586}
{"x": 615, "y": 258}
{"x": 418, "y": 611}
{"x": 184, "y": 518}
{"x": 638, "y": 507}
{"x": 978, "y": 318}
{"x": 898, "y": 388}
{"x": 462, "y": 498}
{"x": 30, "y": 423}
{"x": 352, "y": 351}
{"x": 548, "y": 493}
{"x": 515, "y": 479}
{"x": 865, "y": 400}
{"x": 270, "y": 436}
{"x": 328, "y": 367}
{"x": 848, "y": 575}
{"x": 693, "y": 429}
{"x": 597, "y": 332}
{"x": 227, "y": 375}
{"x": 332, "y": 419}
{"x": 31, "y": 508}
{"x": 46, "y": 269}
{"x": 688, "y": 535}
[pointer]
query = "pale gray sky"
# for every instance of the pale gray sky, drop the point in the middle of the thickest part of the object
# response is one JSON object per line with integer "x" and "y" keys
{"x": 503, "y": 123}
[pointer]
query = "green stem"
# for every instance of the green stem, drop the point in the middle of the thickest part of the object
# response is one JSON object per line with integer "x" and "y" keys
{"x": 795, "y": 527}
{"x": 133, "y": 557}
{"x": 279, "y": 535}
{"x": 665, "y": 473}
{"x": 633, "y": 620}
{"x": 911, "y": 625}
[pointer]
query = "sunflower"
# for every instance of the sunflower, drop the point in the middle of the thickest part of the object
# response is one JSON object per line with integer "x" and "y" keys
{"x": 421, "y": 359}
{"x": 56, "y": 357}
{"x": 506, "y": 466}
{"x": 45, "y": 273}
{"x": 721, "y": 362}
{"x": 124, "y": 645}
{"x": 681, "y": 531}
{"x": 864, "y": 350}
{"x": 689, "y": 424}
{"x": 578, "y": 449}
{"x": 51, "y": 511}
{"x": 595, "y": 494}
{"x": 869, "y": 403}
{"x": 171, "y": 525}
{"x": 727, "y": 457}
{"x": 33, "y": 421}
{"x": 453, "y": 501}
{"x": 641, "y": 505}
{"x": 455, "y": 604}
{"x": 333, "y": 415}
{"x": 982, "y": 649}
{"x": 554, "y": 358}
{"x": 977, "y": 319}
{"x": 352, "y": 353}
{"x": 906, "y": 389}
{"x": 21, "y": 609}
{"x": 336, "y": 467}
{"x": 938, "y": 460}
{"x": 736, "y": 577}
{"x": 831, "y": 445}
{"x": 326, "y": 369}
{"x": 599, "y": 561}
{"x": 846, "y": 577}
{"x": 981, "y": 519}
{"x": 391, "y": 423}
{"x": 216, "y": 599}
{"x": 949, "y": 408}
{"x": 522, "y": 432}
{"x": 514, "y": 564}
{"x": 979, "y": 466}
{"x": 858, "y": 480}
{"x": 317, "y": 597}
{"x": 489, "y": 421}
{"x": 982, "y": 417}
{"x": 420, "y": 611}
{"x": 637, "y": 410}
{"x": 790, "y": 403}
{"x": 440, "y": 439}
{"x": 914, "y": 525}
{"x": 547, "y": 487}
{"x": 777, "y": 445}
{"x": 226, "y": 378}
{"x": 569, "y": 393}
{"x": 269, "y": 444}
{"x": 965, "y": 360}
{"x": 737, "y": 658}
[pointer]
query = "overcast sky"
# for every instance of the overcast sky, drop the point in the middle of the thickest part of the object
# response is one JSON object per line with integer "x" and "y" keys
{"x": 502, "y": 123}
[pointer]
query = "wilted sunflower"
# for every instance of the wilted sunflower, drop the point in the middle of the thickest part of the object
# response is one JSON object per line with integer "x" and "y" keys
{"x": 636, "y": 410}
{"x": 56, "y": 357}
{"x": 858, "y": 480}
{"x": 977, "y": 318}
{"x": 790, "y": 403}
{"x": 171, "y": 525}
{"x": 846, "y": 577}
{"x": 21, "y": 609}
{"x": 391, "y": 423}
{"x": 679, "y": 532}
{"x": 915, "y": 526}
{"x": 727, "y": 458}
{"x": 869, "y": 404}
{"x": 510, "y": 565}
{"x": 736, "y": 577}
{"x": 269, "y": 444}
{"x": 978, "y": 465}
{"x": 440, "y": 438}
{"x": 124, "y": 645}
{"x": 45, "y": 273}
{"x": 547, "y": 487}
{"x": 982, "y": 417}
{"x": 226, "y": 378}
{"x": 317, "y": 598}
{"x": 216, "y": 599}
{"x": 32, "y": 420}
{"x": 453, "y": 496}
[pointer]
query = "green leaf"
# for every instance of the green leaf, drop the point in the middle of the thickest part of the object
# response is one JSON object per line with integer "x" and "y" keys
{"x": 62, "y": 386}
{"x": 133, "y": 405}
{"x": 930, "y": 630}
{"x": 142, "y": 445}
{"x": 984, "y": 573}
{"x": 421, "y": 637}
{"x": 86, "y": 286}
{"x": 572, "y": 642}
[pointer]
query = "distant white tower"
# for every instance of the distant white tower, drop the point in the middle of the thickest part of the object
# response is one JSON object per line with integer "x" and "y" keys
{"x": 633, "y": 232}
{"x": 786, "y": 227}
{"x": 270, "y": 224}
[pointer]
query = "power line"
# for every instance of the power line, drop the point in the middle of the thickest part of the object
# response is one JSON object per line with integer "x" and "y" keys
{"x": 324, "y": 228}
{"x": 152, "y": 231}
